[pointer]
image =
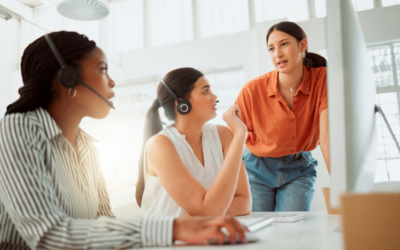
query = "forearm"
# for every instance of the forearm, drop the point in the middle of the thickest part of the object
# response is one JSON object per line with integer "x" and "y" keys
{"x": 107, "y": 233}
{"x": 325, "y": 152}
{"x": 240, "y": 205}
{"x": 218, "y": 197}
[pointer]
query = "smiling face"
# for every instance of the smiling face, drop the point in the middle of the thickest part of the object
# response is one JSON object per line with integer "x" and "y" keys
{"x": 285, "y": 51}
{"x": 94, "y": 72}
{"x": 203, "y": 101}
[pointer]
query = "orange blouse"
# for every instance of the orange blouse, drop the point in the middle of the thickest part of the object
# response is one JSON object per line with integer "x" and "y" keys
{"x": 273, "y": 129}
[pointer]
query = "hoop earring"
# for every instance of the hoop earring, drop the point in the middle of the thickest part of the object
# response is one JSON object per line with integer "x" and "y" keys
{"x": 69, "y": 93}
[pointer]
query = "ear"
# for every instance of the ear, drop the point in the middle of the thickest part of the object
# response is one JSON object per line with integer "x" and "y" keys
{"x": 303, "y": 45}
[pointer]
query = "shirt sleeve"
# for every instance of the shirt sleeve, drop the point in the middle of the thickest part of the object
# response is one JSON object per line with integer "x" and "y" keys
{"x": 245, "y": 103}
{"x": 29, "y": 198}
{"x": 324, "y": 96}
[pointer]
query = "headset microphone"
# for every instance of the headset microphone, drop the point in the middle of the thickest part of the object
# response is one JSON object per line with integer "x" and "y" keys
{"x": 70, "y": 76}
{"x": 183, "y": 106}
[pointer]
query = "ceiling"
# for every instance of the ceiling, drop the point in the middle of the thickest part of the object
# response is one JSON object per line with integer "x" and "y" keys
{"x": 37, "y": 3}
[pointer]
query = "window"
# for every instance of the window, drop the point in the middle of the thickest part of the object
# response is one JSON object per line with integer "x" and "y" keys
{"x": 119, "y": 151}
{"x": 226, "y": 85}
{"x": 388, "y": 168}
{"x": 386, "y": 3}
{"x": 385, "y": 61}
{"x": 293, "y": 10}
{"x": 320, "y": 8}
{"x": 359, "y": 5}
{"x": 217, "y": 17}
{"x": 381, "y": 59}
{"x": 122, "y": 30}
{"x": 170, "y": 21}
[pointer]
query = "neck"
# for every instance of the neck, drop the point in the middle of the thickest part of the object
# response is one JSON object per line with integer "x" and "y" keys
{"x": 291, "y": 79}
{"x": 67, "y": 119}
{"x": 189, "y": 128}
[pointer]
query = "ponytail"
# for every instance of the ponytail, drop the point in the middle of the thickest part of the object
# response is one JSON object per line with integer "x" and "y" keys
{"x": 152, "y": 126}
{"x": 182, "y": 82}
{"x": 314, "y": 60}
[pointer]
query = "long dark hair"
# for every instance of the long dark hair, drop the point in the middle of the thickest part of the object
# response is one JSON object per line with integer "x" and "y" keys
{"x": 39, "y": 66}
{"x": 181, "y": 81}
{"x": 293, "y": 29}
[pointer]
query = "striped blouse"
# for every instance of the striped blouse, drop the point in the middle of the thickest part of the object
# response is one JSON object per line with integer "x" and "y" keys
{"x": 52, "y": 199}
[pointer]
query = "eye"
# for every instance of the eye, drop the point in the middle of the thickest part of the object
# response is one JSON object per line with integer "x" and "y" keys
{"x": 103, "y": 70}
{"x": 206, "y": 92}
{"x": 271, "y": 49}
{"x": 284, "y": 44}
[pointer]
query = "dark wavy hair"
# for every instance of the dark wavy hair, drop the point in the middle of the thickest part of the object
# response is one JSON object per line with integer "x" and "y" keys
{"x": 182, "y": 82}
{"x": 39, "y": 67}
{"x": 293, "y": 29}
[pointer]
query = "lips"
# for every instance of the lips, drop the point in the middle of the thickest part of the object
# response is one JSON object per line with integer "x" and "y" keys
{"x": 112, "y": 96}
{"x": 282, "y": 63}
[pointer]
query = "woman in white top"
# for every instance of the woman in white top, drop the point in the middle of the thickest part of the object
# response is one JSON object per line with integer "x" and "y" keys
{"x": 190, "y": 167}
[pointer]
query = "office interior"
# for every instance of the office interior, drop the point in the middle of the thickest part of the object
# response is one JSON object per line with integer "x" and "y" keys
{"x": 225, "y": 39}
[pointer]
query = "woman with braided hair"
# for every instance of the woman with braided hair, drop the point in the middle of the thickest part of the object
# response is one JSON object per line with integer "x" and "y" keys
{"x": 52, "y": 192}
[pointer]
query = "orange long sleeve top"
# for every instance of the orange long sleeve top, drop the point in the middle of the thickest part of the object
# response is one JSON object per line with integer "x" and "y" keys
{"x": 273, "y": 129}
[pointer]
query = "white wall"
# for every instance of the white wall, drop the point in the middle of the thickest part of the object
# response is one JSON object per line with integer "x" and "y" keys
{"x": 10, "y": 79}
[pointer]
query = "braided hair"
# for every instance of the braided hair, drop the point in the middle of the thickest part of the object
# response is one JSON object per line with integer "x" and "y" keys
{"x": 39, "y": 67}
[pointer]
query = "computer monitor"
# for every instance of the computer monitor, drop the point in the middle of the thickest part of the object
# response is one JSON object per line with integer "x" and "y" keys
{"x": 351, "y": 101}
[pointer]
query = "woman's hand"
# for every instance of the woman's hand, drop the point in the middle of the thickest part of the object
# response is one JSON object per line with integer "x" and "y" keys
{"x": 199, "y": 229}
{"x": 231, "y": 117}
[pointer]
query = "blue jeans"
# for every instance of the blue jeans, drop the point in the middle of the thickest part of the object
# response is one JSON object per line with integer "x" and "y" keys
{"x": 283, "y": 183}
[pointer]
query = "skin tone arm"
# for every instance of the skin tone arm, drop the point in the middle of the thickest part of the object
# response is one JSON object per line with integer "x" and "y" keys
{"x": 324, "y": 137}
{"x": 200, "y": 228}
{"x": 241, "y": 203}
{"x": 184, "y": 188}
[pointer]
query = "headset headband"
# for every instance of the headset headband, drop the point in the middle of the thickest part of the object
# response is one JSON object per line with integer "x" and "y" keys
{"x": 170, "y": 91}
{"x": 55, "y": 51}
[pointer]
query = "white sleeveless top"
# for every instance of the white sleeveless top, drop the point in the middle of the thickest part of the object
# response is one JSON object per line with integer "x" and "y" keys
{"x": 156, "y": 200}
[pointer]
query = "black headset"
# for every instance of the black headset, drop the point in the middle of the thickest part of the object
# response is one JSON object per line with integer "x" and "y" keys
{"x": 70, "y": 76}
{"x": 183, "y": 106}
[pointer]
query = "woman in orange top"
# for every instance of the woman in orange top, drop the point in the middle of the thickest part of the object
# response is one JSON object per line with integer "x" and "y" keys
{"x": 286, "y": 114}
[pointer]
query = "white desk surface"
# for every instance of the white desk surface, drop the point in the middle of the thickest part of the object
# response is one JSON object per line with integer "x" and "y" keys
{"x": 316, "y": 231}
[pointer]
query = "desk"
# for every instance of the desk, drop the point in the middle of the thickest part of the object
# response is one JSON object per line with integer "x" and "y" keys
{"x": 315, "y": 232}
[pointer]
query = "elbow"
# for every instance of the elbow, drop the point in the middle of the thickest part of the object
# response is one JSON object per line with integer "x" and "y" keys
{"x": 248, "y": 207}
{"x": 324, "y": 142}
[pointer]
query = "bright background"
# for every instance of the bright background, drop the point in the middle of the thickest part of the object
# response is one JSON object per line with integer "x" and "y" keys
{"x": 225, "y": 39}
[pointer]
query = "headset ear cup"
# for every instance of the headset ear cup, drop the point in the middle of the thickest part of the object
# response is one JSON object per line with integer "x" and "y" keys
{"x": 67, "y": 76}
{"x": 184, "y": 107}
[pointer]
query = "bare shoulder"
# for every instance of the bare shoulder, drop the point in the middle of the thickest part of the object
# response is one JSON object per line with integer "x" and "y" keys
{"x": 225, "y": 135}
{"x": 159, "y": 142}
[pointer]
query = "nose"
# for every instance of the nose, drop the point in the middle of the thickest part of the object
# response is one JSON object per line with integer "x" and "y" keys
{"x": 279, "y": 52}
{"x": 112, "y": 83}
{"x": 214, "y": 97}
